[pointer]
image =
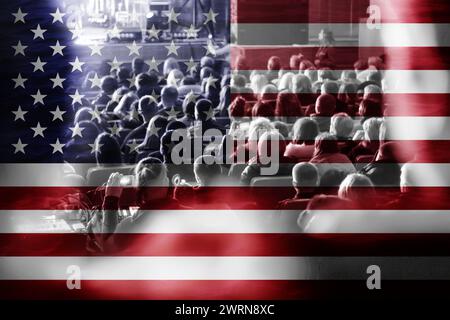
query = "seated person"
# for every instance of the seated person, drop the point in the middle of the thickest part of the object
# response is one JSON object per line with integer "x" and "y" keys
{"x": 205, "y": 117}
{"x": 301, "y": 86}
{"x": 152, "y": 192}
{"x": 359, "y": 190}
{"x": 341, "y": 126}
{"x": 305, "y": 179}
{"x": 170, "y": 107}
{"x": 331, "y": 180}
{"x": 325, "y": 108}
{"x": 288, "y": 108}
{"x": 370, "y": 144}
{"x": 147, "y": 84}
{"x": 266, "y": 158}
{"x": 108, "y": 86}
{"x": 301, "y": 148}
{"x": 155, "y": 130}
{"x": 326, "y": 155}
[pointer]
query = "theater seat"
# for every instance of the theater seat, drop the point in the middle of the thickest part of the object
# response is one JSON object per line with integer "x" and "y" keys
{"x": 284, "y": 181}
{"x": 97, "y": 176}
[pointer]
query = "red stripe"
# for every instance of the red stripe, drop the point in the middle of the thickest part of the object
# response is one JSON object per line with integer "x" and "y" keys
{"x": 343, "y": 11}
{"x": 398, "y": 58}
{"x": 188, "y": 245}
{"x": 400, "y": 104}
{"x": 220, "y": 289}
{"x": 259, "y": 198}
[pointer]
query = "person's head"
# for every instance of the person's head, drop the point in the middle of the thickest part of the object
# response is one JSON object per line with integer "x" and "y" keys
{"x": 124, "y": 105}
{"x": 271, "y": 147}
{"x": 83, "y": 114}
{"x": 205, "y": 73}
{"x": 360, "y": 66}
{"x": 373, "y": 93}
{"x": 347, "y": 93}
{"x": 389, "y": 152}
{"x": 294, "y": 62}
{"x": 206, "y": 170}
{"x": 263, "y": 109}
{"x": 237, "y": 108}
{"x": 288, "y": 105}
{"x": 175, "y": 125}
{"x": 105, "y": 68}
{"x": 123, "y": 74}
{"x": 301, "y": 84}
{"x": 169, "y": 65}
{"x": 108, "y": 85}
{"x": 330, "y": 87}
{"x": 169, "y": 96}
{"x": 189, "y": 104}
{"x": 119, "y": 93}
{"x": 258, "y": 82}
{"x": 269, "y": 92}
{"x": 305, "y": 64}
{"x": 151, "y": 172}
{"x": 305, "y": 130}
{"x": 147, "y": 107}
{"x": 138, "y": 66}
{"x": 257, "y": 128}
{"x": 371, "y": 129}
{"x": 326, "y": 37}
{"x": 107, "y": 149}
{"x": 156, "y": 127}
{"x": 341, "y": 125}
{"x": 145, "y": 82}
{"x": 304, "y": 175}
{"x": 325, "y": 105}
{"x": 325, "y": 143}
{"x": 348, "y": 76}
{"x": 90, "y": 131}
{"x": 412, "y": 176}
{"x": 357, "y": 188}
{"x": 312, "y": 74}
{"x": 238, "y": 81}
{"x": 282, "y": 128}
{"x": 376, "y": 77}
{"x": 325, "y": 74}
{"x": 285, "y": 82}
{"x": 274, "y": 63}
{"x": 207, "y": 62}
{"x": 174, "y": 78}
{"x": 203, "y": 107}
{"x": 331, "y": 180}
{"x": 369, "y": 109}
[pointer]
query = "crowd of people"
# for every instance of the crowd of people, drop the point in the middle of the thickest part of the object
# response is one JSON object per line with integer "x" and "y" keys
{"x": 332, "y": 138}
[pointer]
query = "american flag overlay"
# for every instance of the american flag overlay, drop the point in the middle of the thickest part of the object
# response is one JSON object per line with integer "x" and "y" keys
{"x": 224, "y": 150}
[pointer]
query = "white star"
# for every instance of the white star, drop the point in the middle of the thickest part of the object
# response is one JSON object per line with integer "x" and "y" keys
{"x": 19, "y": 114}
{"x": 96, "y": 81}
{"x": 173, "y": 16}
{"x": 210, "y": 48}
{"x": 134, "y": 114}
{"x": 38, "y": 65}
{"x": 57, "y": 16}
{"x": 191, "y": 97}
{"x": 57, "y": 49}
{"x": 38, "y": 97}
{"x": 57, "y": 146}
{"x": 19, "y": 16}
{"x": 133, "y": 145}
{"x": 57, "y": 81}
{"x": 153, "y": 32}
{"x": 96, "y": 49}
{"x": 95, "y": 114}
{"x": 76, "y": 131}
{"x": 115, "y": 64}
{"x": 19, "y": 49}
{"x": 211, "y": 81}
{"x": 132, "y": 81}
{"x": 76, "y": 98}
{"x": 192, "y": 32}
{"x": 76, "y": 32}
{"x": 95, "y": 147}
{"x": 172, "y": 49}
{"x": 155, "y": 95}
{"x": 153, "y": 131}
{"x": 38, "y": 32}
{"x": 115, "y": 130}
{"x": 38, "y": 130}
{"x": 172, "y": 113}
{"x": 209, "y": 114}
{"x": 153, "y": 64}
{"x": 210, "y": 16}
{"x": 77, "y": 65}
{"x": 134, "y": 49}
{"x": 19, "y": 146}
{"x": 57, "y": 114}
{"x": 191, "y": 65}
{"x": 19, "y": 81}
{"x": 115, "y": 32}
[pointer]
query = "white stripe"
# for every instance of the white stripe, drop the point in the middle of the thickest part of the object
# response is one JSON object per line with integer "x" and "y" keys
{"x": 251, "y": 221}
{"x": 49, "y": 175}
{"x": 389, "y": 35}
{"x": 401, "y": 81}
{"x": 224, "y": 268}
